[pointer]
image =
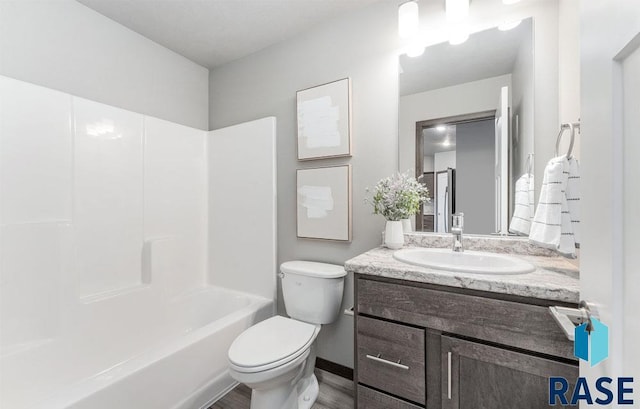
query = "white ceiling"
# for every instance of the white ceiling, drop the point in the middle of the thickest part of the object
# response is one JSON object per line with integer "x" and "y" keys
{"x": 214, "y": 32}
{"x": 486, "y": 54}
{"x": 436, "y": 140}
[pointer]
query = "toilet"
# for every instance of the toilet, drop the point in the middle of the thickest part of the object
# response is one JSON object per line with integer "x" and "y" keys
{"x": 276, "y": 357}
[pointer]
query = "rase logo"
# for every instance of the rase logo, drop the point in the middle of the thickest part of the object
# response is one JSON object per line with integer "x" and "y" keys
{"x": 591, "y": 344}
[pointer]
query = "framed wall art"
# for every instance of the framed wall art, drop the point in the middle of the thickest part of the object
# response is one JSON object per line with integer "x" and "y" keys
{"x": 324, "y": 203}
{"x": 324, "y": 120}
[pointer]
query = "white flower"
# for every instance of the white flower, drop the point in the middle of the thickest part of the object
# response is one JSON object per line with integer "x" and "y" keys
{"x": 398, "y": 197}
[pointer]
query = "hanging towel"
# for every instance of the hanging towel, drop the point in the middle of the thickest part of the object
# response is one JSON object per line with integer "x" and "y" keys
{"x": 524, "y": 209}
{"x": 573, "y": 198}
{"x": 552, "y": 226}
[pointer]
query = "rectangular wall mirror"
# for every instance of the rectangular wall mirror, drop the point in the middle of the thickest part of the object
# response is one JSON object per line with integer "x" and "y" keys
{"x": 466, "y": 115}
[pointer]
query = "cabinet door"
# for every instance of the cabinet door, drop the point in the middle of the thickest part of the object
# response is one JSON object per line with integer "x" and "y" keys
{"x": 478, "y": 376}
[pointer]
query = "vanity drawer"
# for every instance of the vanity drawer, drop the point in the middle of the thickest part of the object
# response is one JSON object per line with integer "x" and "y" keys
{"x": 371, "y": 399}
{"x": 521, "y": 325}
{"x": 391, "y": 357}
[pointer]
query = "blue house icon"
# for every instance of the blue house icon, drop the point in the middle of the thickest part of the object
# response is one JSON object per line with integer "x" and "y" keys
{"x": 591, "y": 344}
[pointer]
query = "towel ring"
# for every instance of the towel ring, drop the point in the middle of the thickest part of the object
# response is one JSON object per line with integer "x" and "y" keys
{"x": 529, "y": 163}
{"x": 563, "y": 128}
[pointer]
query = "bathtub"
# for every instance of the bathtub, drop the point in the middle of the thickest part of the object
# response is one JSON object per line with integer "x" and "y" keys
{"x": 133, "y": 351}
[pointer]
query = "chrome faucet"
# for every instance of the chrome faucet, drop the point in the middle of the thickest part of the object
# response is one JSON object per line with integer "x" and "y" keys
{"x": 457, "y": 226}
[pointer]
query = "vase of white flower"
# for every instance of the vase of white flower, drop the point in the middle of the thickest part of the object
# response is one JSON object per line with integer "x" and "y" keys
{"x": 394, "y": 234}
{"x": 396, "y": 198}
{"x": 406, "y": 225}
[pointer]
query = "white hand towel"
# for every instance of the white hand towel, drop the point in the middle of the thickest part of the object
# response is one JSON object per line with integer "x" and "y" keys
{"x": 524, "y": 209}
{"x": 573, "y": 198}
{"x": 552, "y": 227}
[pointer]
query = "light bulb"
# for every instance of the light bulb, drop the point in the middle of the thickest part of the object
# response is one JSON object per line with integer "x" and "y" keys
{"x": 458, "y": 35}
{"x": 415, "y": 50}
{"x": 457, "y": 10}
{"x": 408, "y": 19}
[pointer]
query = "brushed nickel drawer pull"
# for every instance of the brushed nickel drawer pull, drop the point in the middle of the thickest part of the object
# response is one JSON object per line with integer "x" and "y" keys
{"x": 384, "y": 361}
{"x": 449, "y": 375}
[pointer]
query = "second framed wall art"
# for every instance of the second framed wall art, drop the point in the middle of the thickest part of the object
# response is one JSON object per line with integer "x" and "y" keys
{"x": 324, "y": 203}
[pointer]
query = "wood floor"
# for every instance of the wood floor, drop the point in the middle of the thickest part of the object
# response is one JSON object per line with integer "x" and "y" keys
{"x": 335, "y": 393}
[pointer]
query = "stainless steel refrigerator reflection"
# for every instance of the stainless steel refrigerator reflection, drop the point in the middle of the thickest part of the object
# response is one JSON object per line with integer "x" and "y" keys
{"x": 445, "y": 199}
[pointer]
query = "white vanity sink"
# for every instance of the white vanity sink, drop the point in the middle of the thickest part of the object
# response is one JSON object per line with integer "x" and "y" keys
{"x": 465, "y": 262}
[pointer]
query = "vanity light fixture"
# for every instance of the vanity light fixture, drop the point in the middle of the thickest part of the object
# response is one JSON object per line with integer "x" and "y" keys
{"x": 457, "y": 10}
{"x": 458, "y": 36}
{"x": 408, "y": 27}
{"x": 408, "y": 19}
{"x": 415, "y": 50}
{"x": 457, "y": 13}
{"x": 509, "y": 25}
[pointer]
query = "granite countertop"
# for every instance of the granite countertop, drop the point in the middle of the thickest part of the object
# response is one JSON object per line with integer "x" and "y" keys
{"x": 555, "y": 278}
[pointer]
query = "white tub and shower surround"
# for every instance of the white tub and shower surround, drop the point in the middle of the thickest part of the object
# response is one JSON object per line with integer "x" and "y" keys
{"x": 136, "y": 361}
{"x": 105, "y": 298}
{"x": 242, "y": 232}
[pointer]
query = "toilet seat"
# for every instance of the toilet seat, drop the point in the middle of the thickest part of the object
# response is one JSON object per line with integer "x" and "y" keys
{"x": 270, "y": 344}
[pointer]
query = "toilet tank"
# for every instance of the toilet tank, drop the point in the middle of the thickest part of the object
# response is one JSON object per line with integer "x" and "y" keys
{"x": 312, "y": 291}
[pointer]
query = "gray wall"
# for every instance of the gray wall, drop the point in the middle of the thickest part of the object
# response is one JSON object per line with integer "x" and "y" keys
{"x": 569, "y": 66}
{"x": 363, "y": 47}
{"x": 66, "y": 46}
{"x": 475, "y": 187}
{"x": 522, "y": 100}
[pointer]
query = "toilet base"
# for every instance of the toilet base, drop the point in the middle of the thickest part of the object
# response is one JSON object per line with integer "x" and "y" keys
{"x": 308, "y": 392}
{"x": 302, "y": 396}
{"x": 283, "y": 397}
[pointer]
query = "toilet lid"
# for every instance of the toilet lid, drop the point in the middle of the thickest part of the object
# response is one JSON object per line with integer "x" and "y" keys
{"x": 270, "y": 341}
{"x": 313, "y": 269}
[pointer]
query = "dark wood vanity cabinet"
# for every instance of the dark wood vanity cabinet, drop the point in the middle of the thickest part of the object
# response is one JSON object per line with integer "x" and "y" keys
{"x": 421, "y": 345}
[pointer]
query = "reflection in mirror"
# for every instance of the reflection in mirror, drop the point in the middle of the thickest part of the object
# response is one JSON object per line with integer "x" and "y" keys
{"x": 456, "y": 161}
{"x": 466, "y": 127}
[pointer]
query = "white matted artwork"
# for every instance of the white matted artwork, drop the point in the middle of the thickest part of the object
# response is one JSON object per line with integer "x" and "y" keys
{"x": 324, "y": 203}
{"x": 324, "y": 120}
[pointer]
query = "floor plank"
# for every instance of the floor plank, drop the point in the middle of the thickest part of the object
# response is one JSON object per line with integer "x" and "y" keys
{"x": 335, "y": 393}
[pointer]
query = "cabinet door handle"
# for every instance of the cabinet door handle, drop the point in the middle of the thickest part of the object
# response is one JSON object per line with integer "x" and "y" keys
{"x": 449, "y": 375}
{"x": 391, "y": 363}
{"x": 568, "y": 318}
